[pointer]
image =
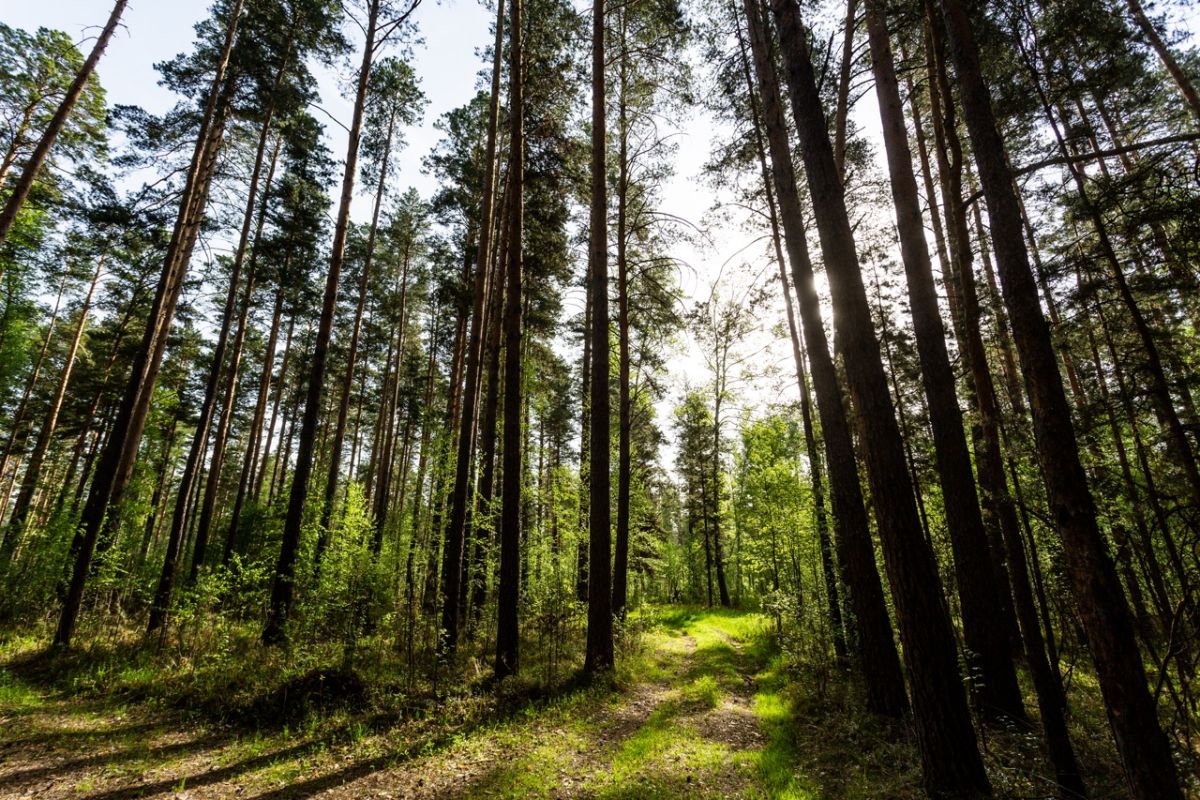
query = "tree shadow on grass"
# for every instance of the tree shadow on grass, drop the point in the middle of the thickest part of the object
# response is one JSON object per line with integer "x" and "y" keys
{"x": 14, "y": 780}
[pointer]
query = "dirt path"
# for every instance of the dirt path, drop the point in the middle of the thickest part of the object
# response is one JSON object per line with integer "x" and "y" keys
{"x": 685, "y": 728}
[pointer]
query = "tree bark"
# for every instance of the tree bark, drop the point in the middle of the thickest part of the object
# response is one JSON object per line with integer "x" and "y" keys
{"x": 1101, "y": 604}
{"x": 949, "y": 752}
{"x": 508, "y": 591}
{"x": 599, "y": 652}
{"x": 878, "y": 659}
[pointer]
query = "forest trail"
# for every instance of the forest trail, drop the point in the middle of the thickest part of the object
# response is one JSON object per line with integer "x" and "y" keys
{"x": 694, "y": 717}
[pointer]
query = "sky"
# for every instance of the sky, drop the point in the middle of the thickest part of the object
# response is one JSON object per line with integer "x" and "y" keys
{"x": 447, "y": 61}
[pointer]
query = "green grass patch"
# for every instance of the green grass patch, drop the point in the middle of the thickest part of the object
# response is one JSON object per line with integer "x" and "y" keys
{"x": 16, "y": 695}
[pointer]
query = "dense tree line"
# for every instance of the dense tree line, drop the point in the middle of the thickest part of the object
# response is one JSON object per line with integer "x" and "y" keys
{"x": 434, "y": 435}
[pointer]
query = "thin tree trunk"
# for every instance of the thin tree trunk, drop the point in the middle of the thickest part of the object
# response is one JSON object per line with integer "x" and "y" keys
{"x": 1186, "y": 87}
{"x": 250, "y": 457}
{"x": 1159, "y": 388}
{"x": 280, "y": 386}
{"x": 187, "y": 484}
{"x": 585, "y": 405}
{"x": 283, "y": 586}
{"x": 459, "y": 497}
{"x": 339, "y": 430}
{"x": 38, "y": 157}
{"x": 18, "y": 418}
{"x": 842, "y": 110}
{"x": 624, "y": 400}
{"x": 33, "y": 470}
{"x": 115, "y": 466}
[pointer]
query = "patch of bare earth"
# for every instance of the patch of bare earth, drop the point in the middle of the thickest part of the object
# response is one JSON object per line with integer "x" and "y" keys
{"x": 453, "y": 773}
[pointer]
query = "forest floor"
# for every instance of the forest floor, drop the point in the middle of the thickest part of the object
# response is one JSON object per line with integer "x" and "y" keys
{"x": 702, "y": 707}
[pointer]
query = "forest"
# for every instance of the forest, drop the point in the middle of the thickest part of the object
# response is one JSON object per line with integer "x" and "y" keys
{"x": 629, "y": 399}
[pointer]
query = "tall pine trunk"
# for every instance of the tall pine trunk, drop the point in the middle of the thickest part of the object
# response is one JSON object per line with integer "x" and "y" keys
{"x": 115, "y": 465}
{"x": 1101, "y": 603}
{"x": 343, "y": 414}
{"x": 981, "y": 597}
{"x": 624, "y": 399}
{"x": 599, "y": 652}
{"x": 282, "y": 588}
{"x": 192, "y": 467}
{"x": 508, "y": 589}
{"x": 878, "y": 659}
{"x": 949, "y": 752}
{"x": 460, "y": 492}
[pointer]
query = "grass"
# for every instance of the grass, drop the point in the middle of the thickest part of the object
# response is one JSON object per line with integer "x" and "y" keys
{"x": 703, "y": 703}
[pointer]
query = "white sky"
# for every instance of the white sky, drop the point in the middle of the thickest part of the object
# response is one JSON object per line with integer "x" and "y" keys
{"x": 454, "y": 32}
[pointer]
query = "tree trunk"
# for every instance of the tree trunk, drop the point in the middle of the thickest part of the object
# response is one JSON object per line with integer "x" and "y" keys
{"x": 508, "y": 590}
{"x": 11, "y": 445}
{"x": 280, "y": 386}
{"x": 878, "y": 659}
{"x": 1186, "y": 87}
{"x": 33, "y": 470}
{"x": 949, "y": 752}
{"x": 842, "y": 110}
{"x": 38, "y": 157}
{"x": 1101, "y": 604}
{"x": 343, "y": 414}
{"x": 828, "y": 568}
{"x": 599, "y": 654}
{"x": 282, "y": 588}
{"x": 997, "y": 502}
{"x": 187, "y": 482}
{"x": 624, "y": 401}
{"x": 981, "y": 597}
{"x": 115, "y": 466}
{"x": 585, "y": 405}
{"x": 250, "y": 457}
{"x": 718, "y": 552}
{"x": 459, "y": 495}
